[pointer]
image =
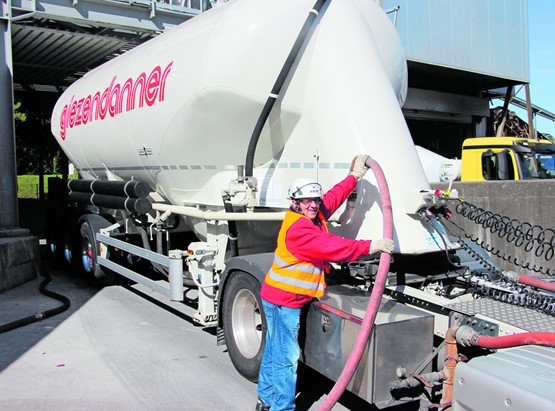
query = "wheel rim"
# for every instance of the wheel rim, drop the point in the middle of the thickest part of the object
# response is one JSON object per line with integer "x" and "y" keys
{"x": 247, "y": 323}
{"x": 87, "y": 256}
{"x": 67, "y": 255}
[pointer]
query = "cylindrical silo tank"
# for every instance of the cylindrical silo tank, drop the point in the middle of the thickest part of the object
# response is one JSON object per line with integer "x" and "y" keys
{"x": 178, "y": 111}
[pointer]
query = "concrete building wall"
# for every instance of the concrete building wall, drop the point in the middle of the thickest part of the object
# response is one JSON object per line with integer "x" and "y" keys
{"x": 482, "y": 36}
{"x": 19, "y": 260}
{"x": 526, "y": 201}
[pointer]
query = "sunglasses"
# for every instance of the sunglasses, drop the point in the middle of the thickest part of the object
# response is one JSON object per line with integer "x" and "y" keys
{"x": 308, "y": 201}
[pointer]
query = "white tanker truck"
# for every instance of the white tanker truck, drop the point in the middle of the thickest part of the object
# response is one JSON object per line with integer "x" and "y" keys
{"x": 186, "y": 146}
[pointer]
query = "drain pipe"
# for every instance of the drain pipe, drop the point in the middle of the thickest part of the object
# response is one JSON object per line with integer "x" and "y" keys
{"x": 312, "y": 15}
{"x": 375, "y": 297}
{"x": 451, "y": 358}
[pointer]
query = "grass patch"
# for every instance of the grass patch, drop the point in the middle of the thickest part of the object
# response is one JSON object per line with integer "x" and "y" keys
{"x": 28, "y": 185}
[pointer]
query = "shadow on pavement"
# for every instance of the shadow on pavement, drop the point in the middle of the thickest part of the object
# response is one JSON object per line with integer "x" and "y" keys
{"x": 26, "y": 300}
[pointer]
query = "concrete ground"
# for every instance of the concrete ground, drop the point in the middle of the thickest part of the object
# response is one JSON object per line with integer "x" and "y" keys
{"x": 122, "y": 348}
{"x": 119, "y": 348}
{"x": 112, "y": 350}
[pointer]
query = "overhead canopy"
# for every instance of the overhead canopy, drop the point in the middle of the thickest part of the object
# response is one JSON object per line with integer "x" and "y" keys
{"x": 54, "y": 42}
{"x": 50, "y": 57}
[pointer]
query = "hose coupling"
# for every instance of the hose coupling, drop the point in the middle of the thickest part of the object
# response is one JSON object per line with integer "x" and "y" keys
{"x": 466, "y": 336}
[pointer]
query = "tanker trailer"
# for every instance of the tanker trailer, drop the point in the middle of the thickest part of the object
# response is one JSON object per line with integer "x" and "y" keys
{"x": 161, "y": 137}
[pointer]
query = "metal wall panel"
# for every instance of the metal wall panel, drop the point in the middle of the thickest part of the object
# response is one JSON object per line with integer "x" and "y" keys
{"x": 482, "y": 36}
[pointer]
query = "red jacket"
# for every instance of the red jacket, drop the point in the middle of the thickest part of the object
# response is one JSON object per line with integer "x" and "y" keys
{"x": 309, "y": 242}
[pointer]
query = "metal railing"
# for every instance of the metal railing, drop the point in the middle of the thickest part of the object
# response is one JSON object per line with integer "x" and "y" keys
{"x": 201, "y": 5}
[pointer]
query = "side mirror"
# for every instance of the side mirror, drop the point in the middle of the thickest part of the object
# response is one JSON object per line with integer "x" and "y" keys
{"x": 502, "y": 165}
{"x": 488, "y": 165}
{"x": 544, "y": 148}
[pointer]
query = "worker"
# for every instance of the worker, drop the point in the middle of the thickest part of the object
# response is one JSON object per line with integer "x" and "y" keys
{"x": 304, "y": 250}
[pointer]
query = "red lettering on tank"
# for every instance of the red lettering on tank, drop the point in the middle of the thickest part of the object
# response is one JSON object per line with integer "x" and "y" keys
{"x": 131, "y": 94}
{"x": 114, "y": 96}
{"x": 72, "y": 113}
{"x": 165, "y": 75}
{"x": 95, "y": 103}
{"x": 152, "y": 85}
{"x": 105, "y": 99}
{"x": 86, "y": 109}
{"x": 78, "y": 118}
{"x": 127, "y": 87}
{"x": 63, "y": 124}
{"x": 140, "y": 81}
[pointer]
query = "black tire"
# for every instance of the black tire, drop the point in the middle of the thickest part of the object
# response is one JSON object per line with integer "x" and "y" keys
{"x": 94, "y": 273}
{"x": 244, "y": 322}
{"x": 68, "y": 249}
{"x": 71, "y": 242}
{"x": 63, "y": 238}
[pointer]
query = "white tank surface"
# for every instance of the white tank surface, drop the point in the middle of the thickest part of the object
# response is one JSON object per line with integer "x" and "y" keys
{"x": 178, "y": 111}
{"x": 439, "y": 169}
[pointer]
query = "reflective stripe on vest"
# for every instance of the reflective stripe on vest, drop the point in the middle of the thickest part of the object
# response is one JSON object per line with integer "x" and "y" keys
{"x": 290, "y": 274}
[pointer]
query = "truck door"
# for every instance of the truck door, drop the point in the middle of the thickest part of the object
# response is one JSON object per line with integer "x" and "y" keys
{"x": 498, "y": 166}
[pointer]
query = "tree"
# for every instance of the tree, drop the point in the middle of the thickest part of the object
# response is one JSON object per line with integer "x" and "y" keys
{"x": 18, "y": 115}
{"x": 36, "y": 149}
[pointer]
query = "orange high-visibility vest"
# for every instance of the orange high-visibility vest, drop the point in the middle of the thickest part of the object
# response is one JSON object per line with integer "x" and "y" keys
{"x": 290, "y": 274}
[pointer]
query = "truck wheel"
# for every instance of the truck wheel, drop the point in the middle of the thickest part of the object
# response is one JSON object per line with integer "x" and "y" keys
{"x": 68, "y": 249}
{"x": 243, "y": 321}
{"x": 94, "y": 273}
{"x": 71, "y": 243}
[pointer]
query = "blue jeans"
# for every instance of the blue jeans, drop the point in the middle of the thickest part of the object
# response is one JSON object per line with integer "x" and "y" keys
{"x": 277, "y": 380}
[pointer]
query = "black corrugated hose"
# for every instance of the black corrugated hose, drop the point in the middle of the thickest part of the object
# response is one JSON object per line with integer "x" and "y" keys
{"x": 40, "y": 315}
{"x": 312, "y": 15}
{"x": 232, "y": 228}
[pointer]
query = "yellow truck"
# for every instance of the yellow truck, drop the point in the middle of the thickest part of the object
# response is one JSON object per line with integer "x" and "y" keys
{"x": 507, "y": 158}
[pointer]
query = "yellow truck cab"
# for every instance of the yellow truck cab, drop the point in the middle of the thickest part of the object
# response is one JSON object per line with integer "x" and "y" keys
{"x": 507, "y": 158}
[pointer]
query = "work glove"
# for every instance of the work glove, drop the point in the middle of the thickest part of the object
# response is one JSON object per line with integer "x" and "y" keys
{"x": 384, "y": 245}
{"x": 358, "y": 166}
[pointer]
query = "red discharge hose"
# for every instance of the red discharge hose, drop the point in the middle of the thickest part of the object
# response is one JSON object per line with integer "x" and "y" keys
{"x": 536, "y": 282}
{"x": 468, "y": 337}
{"x": 515, "y": 340}
{"x": 375, "y": 297}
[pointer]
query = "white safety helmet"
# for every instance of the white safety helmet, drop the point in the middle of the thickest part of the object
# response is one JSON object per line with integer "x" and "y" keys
{"x": 304, "y": 188}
